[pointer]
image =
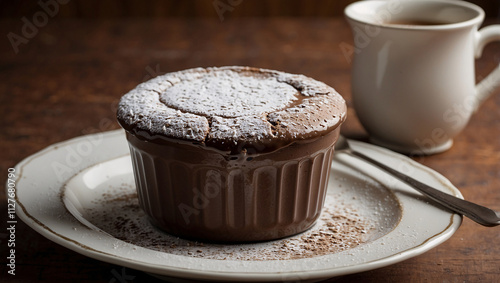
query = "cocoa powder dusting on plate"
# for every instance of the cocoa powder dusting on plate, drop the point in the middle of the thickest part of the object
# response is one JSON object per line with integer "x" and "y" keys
{"x": 339, "y": 228}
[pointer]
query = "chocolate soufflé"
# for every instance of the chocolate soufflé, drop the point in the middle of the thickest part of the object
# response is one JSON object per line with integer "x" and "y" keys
{"x": 232, "y": 154}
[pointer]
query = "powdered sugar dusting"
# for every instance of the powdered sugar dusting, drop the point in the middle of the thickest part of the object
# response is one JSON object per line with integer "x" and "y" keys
{"x": 341, "y": 226}
{"x": 144, "y": 111}
{"x": 306, "y": 86}
{"x": 308, "y": 122}
{"x": 234, "y": 129}
{"x": 228, "y": 95}
{"x": 231, "y": 104}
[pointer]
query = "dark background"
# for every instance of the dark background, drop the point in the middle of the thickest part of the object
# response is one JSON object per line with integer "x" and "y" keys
{"x": 198, "y": 8}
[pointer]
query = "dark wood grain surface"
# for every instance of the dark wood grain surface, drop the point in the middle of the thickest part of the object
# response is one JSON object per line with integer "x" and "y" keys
{"x": 66, "y": 79}
{"x": 196, "y": 8}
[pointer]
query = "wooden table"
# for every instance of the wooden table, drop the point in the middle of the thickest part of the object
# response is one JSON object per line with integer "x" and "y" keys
{"x": 65, "y": 82}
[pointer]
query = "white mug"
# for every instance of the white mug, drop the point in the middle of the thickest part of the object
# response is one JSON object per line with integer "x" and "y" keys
{"x": 413, "y": 78}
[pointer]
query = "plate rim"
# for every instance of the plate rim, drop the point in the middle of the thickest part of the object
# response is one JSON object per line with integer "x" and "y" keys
{"x": 174, "y": 271}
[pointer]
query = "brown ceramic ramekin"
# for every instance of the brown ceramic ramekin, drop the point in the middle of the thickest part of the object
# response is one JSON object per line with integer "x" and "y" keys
{"x": 232, "y": 154}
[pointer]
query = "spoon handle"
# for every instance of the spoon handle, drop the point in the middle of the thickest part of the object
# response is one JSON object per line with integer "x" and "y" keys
{"x": 477, "y": 213}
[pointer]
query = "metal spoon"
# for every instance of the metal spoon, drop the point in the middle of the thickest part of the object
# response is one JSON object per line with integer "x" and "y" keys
{"x": 477, "y": 213}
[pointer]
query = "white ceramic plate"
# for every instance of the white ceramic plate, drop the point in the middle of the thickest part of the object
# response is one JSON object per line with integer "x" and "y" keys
{"x": 61, "y": 191}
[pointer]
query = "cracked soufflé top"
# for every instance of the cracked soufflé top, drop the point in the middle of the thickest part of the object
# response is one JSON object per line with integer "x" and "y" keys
{"x": 231, "y": 108}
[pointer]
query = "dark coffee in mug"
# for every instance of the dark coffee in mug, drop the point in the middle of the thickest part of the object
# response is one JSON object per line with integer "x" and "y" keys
{"x": 411, "y": 22}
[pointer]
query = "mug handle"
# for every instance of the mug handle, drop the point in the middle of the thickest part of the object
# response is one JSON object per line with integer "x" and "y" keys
{"x": 487, "y": 85}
